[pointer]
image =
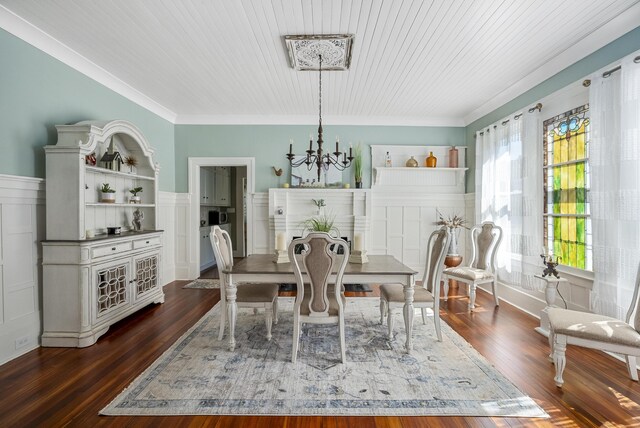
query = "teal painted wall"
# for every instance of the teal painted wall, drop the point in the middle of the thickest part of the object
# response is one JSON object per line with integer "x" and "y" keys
{"x": 269, "y": 144}
{"x": 604, "y": 56}
{"x": 38, "y": 92}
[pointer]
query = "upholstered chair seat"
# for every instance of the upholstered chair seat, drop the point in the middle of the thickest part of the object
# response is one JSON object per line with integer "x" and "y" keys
{"x": 469, "y": 273}
{"x": 395, "y": 293}
{"x": 595, "y": 331}
{"x": 392, "y": 295}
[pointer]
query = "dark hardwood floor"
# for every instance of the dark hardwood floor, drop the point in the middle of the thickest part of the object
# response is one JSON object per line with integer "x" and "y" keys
{"x": 67, "y": 387}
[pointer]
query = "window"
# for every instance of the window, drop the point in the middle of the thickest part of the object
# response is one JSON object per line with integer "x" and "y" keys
{"x": 567, "y": 224}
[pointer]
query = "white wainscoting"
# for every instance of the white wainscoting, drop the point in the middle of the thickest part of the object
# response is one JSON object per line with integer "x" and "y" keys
{"x": 402, "y": 222}
{"x": 22, "y": 226}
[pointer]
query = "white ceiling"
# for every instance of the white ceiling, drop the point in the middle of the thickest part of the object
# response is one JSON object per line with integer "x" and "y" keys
{"x": 414, "y": 62}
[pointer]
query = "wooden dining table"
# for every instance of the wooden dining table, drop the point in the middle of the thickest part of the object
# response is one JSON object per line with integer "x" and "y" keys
{"x": 260, "y": 268}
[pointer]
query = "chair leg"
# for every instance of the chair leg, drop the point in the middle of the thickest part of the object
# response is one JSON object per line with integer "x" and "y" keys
{"x": 445, "y": 288}
{"x": 559, "y": 358}
{"x": 296, "y": 338}
{"x": 472, "y": 296}
{"x": 551, "y": 341}
{"x": 343, "y": 346}
{"x": 275, "y": 310}
{"x": 631, "y": 367}
{"x": 436, "y": 322}
{"x": 424, "y": 315}
{"x": 223, "y": 321}
{"x": 383, "y": 310}
{"x": 268, "y": 319}
{"x": 390, "y": 323}
{"x": 495, "y": 294}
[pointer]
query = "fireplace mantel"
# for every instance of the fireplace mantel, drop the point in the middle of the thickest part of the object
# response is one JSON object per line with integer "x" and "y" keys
{"x": 289, "y": 208}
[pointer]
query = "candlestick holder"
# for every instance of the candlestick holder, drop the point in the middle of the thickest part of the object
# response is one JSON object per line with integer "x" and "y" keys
{"x": 358, "y": 257}
{"x": 281, "y": 256}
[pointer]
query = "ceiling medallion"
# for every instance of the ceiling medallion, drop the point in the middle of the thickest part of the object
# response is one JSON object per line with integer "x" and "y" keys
{"x": 335, "y": 49}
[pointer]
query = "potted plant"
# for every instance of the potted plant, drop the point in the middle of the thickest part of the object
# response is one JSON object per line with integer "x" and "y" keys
{"x": 135, "y": 199}
{"x": 107, "y": 194}
{"x": 357, "y": 165}
{"x": 321, "y": 223}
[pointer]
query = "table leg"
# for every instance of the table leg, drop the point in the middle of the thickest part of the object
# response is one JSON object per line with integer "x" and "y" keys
{"x": 232, "y": 309}
{"x": 408, "y": 311}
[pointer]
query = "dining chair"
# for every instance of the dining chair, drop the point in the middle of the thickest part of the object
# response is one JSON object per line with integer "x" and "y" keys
{"x": 425, "y": 295}
{"x": 485, "y": 240}
{"x": 568, "y": 327}
{"x": 248, "y": 295}
{"x": 319, "y": 299}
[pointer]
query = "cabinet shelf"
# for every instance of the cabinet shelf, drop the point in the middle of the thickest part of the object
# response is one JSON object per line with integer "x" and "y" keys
{"x": 118, "y": 204}
{"x": 98, "y": 170}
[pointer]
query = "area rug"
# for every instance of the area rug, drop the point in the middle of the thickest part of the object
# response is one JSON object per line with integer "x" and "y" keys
{"x": 199, "y": 376}
{"x": 203, "y": 283}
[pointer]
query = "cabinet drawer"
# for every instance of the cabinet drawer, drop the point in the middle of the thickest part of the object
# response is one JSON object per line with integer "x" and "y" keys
{"x": 110, "y": 249}
{"x": 143, "y": 243}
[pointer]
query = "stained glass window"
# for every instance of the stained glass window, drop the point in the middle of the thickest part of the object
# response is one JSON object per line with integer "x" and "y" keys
{"x": 567, "y": 225}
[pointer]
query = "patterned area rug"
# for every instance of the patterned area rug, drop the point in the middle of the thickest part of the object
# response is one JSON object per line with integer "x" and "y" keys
{"x": 203, "y": 283}
{"x": 199, "y": 376}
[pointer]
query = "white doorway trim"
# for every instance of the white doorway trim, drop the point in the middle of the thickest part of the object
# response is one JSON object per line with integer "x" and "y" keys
{"x": 194, "y": 197}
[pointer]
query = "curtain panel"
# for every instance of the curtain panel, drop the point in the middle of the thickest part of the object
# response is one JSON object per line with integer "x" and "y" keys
{"x": 615, "y": 187}
{"x": 509, "y": 193}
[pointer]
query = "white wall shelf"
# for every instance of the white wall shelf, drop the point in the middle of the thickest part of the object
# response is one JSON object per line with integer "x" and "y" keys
{"x": 99, "y": 170}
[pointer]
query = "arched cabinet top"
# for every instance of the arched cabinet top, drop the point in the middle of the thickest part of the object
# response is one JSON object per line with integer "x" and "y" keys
{"x": 93, "y": 136}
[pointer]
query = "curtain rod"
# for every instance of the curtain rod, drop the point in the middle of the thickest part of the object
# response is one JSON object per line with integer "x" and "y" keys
{"x": 608, "y": 73}
{"x": 516, "y": 117}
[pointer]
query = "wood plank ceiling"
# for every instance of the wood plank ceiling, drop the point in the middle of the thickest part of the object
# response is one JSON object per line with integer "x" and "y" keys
{"x": 413, "y": 60}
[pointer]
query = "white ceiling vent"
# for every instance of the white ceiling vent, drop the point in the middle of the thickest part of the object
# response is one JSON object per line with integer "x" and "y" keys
{"x": 335, "y": 49}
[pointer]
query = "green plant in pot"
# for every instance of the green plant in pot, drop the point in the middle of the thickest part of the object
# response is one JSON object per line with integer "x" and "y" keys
{"x": 135, "y": 199}
{"x": 107, "y": 194}
{"x": 321, "y": 223}
{"x": 357, "y": 165}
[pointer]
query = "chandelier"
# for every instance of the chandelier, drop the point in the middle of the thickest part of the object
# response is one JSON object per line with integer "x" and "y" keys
{"x": 318, "y": 157}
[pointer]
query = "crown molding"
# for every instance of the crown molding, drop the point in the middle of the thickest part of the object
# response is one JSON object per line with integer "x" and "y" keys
{"x": 327, "y": 120}
{"x": 26, "y": 31}
{"x": 614, "y": 29}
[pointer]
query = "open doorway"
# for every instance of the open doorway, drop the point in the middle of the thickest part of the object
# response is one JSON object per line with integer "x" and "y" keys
{"x": 219, "y": 189}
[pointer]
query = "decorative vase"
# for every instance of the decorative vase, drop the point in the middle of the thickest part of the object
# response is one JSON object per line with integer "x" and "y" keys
{"x": 453, "y": 245}
{"x": 431, "y": 161}
{"x": 107, "y": 197}
{"x": 453, "y": 157}
{"x": 134, "y": 200}
{"x": 358, "y": 184}
{"x": 412, "y": 163}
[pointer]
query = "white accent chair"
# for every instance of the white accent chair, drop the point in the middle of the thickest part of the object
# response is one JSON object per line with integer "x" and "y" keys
{"x": 425, "y": 295}
{"x": 485, "y": 240}
{"x": 595, "y": 331}
{"x": 317, "y": 300}
{"x": 247, "y": 295}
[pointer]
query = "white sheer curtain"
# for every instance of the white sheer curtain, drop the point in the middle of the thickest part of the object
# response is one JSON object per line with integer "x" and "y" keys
{"x": 509, "y": 193}
{"x": 615, "y": 187}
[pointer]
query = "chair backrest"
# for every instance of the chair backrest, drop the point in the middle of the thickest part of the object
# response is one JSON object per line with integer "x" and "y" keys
{"x": 223, "y": 250}
{"x": 437, "y": 247}
{"x": 319, "y": 258}
{"x": 635, "y": 305}
{"x": 485, "y": 240}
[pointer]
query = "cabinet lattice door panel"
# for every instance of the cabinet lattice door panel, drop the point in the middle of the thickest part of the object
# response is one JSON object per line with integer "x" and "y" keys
{"x": 112, "y": 288}
{"x": 146, "y": 274}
